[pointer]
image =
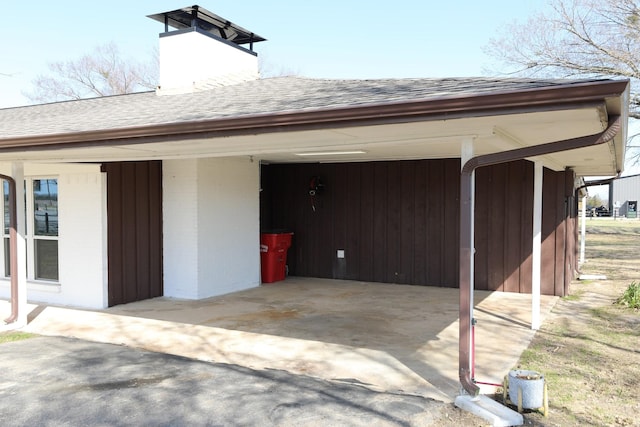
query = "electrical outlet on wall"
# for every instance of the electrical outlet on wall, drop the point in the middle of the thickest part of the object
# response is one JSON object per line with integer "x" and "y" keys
{"x": 340, "y": 253}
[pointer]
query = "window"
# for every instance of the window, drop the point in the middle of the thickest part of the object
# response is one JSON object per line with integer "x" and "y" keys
{"x": 5, "y": 232}
{"x": 45, "y": 228}
{"x": 41, "y": 226}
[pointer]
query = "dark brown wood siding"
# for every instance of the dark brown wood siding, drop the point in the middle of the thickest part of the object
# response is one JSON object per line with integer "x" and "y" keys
{"x": 559, "y": 221}
{"x": 134, "y": 220}
{"x": 398, "y": 223}
{"x": 504, "y": 227}
{"x": 572, "y": 255}
{"x": 394, "y": 224}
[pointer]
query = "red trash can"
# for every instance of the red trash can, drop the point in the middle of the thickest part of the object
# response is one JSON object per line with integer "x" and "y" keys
{"x": 273, "y": 255}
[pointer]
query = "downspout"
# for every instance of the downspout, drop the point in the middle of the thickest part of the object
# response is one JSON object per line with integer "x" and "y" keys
{"x": 13, "y": 248}
{"x": 466, "y": 251}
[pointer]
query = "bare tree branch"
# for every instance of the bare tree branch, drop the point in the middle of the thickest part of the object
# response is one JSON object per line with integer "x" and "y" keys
{"x": 103, "y": 72}
{"x": 577, "y": 39}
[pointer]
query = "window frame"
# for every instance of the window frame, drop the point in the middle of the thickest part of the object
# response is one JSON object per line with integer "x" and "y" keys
{"x": 30, "y": 228}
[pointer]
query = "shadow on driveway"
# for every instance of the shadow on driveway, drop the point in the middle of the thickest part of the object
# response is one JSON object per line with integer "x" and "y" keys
{"x": 66, "y": 381}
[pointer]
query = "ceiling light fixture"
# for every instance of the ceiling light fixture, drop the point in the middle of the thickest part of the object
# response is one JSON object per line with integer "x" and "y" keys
{"x": 330, "y": 153}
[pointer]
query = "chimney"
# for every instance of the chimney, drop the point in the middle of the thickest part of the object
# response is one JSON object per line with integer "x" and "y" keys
{"x": 203, "y": 50}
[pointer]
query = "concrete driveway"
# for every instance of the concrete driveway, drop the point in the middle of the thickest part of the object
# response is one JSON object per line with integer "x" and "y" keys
{"x": 59, "y": 381}
{"x": 392, "y": 338}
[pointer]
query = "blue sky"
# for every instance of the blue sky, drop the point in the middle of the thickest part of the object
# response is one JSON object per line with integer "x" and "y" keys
{"x": 330, "y": 39}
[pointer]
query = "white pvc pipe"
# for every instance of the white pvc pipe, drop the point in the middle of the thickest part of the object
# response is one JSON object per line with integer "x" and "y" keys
{"x": 583, "y": 228}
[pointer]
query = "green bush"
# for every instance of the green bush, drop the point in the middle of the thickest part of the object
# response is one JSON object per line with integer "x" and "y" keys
{"x": 631, "y": 296}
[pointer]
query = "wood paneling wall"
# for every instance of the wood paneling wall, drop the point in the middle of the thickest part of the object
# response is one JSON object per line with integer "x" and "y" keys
{"x": 134, "y": 220}
{"x": 559, "y": 223}
{"x": 504, "y": 227}
{"x": 393, "y": 223}
{"x": 398, "y": 222}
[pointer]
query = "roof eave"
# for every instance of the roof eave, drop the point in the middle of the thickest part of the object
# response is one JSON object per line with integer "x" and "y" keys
{"x": 575, "y": 95}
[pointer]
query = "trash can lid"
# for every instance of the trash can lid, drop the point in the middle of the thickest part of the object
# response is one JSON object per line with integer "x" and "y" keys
{"x": 276, "y": 231}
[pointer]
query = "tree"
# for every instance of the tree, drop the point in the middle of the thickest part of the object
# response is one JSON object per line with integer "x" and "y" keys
{"x": 577, "y": 39}
{"x": 594, "y": 202}
{"x": 270, "y": 69}
{"x": 103, "y": 72}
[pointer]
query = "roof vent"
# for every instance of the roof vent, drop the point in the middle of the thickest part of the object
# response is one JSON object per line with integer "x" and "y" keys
{"x": 203, "y": 51}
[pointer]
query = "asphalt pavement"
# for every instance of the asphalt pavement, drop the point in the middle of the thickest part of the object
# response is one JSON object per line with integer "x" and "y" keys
{"x": 55, "y": 381}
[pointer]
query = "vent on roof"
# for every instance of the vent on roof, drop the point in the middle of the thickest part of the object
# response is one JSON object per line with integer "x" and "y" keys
{"x": 203, "y": 51}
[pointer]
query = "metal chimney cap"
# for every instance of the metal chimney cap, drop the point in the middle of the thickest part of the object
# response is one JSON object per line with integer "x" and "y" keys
{"x": 196, "y": 16}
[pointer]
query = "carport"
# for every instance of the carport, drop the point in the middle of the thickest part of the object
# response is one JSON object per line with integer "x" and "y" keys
{"x": 318, "y": 122}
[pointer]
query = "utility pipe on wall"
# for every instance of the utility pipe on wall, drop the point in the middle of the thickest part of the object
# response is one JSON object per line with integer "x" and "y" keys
{"x": 466, "y": 229}
{"x": 13, "y": 248}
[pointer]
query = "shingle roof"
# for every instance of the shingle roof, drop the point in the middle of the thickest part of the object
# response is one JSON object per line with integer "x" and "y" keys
{"x": 259, "y": 97}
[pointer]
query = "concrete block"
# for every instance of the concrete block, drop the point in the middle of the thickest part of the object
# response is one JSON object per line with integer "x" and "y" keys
{"x": 490, "y": 410}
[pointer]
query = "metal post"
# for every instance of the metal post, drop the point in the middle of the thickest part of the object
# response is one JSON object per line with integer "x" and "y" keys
{"x": 583, "y": 227}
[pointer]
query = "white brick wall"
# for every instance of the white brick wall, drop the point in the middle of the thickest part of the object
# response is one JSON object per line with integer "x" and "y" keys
{"x": 82, "y": 244}
{"x": 210, "y": 236}
{"x": 81, "y": 241}
{"x": 229, "y": 225}
{"x": 192, "y": 61}
{"x": 211, "y": 226}
{"x": 180, "y": 228}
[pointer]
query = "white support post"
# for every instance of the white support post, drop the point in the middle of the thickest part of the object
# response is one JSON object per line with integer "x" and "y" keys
{"x": 17, "y": 173}
{"x": 583, "y": 228}
{"x": 537, "y": 246}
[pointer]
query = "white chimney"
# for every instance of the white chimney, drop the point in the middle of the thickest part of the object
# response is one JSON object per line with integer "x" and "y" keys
{"x": 203, "y": 51}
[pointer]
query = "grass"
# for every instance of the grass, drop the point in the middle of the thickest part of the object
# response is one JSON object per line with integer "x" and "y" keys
{"x": 587, "y": 347}
{"x": 574, "y": 296}
{"x": 14, "y": 336}
{"x": 624, "y": 223}
{"x": 613, "y": 226}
